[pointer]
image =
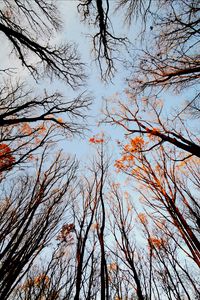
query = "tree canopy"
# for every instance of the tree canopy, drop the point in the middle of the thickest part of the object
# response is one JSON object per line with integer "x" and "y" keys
{"x": 125, "y": 223}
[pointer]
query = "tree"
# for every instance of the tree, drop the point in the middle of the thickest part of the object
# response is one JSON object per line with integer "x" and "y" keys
{"x": 31, "y": 210}
{"x": 171, "y": 60}
{"x": 146, "y": 118}
{"x": 26, "y": 119}
{"x": 146, "y": 251}
{"x": 24, "y": 23}
{"x": 73, "y": 269}
{"x": 162, "y": 152}
{"x": 168, "y": 187}
{"x": 34, "y": 200}
{"x": 173, "y": 66}
{"x": 100, "y": 240}
{"x": 29, "y": 121}
{"x": 105, "y": 42}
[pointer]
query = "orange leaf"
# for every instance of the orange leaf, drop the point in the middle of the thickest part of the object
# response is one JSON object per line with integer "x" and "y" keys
{"x": 26, "y": 129}
{"x": 6, "y": 158}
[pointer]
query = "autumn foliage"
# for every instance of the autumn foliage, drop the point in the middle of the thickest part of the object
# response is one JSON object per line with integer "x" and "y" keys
{"x": 6, "y": 157}
{"x": 96, "y": 140}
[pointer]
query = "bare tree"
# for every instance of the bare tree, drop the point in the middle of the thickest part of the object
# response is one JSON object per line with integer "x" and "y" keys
{"x": 28, "y": 26}
{"x": 122, "y": 228}
{"x": 31, "y": 209}
{"x": 106, "y": 44}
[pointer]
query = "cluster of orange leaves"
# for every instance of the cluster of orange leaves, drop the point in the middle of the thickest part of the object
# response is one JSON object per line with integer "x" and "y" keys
{"x": 156, "y": 242}
{"x": 112, "y": 266}
{"x": 143, "y": 218}
{"x": 95, "y": 140}
{"x": 41, "y": 279}
{"x": 136, "y": 144}
{"x": 60, "y": 120}
{"x": 65, "y": 231}
{"x": 26, "y": 128}
{"x": 6, "y": 158}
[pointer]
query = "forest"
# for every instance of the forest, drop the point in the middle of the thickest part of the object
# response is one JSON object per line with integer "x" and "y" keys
{"x": 117, "y": 216}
